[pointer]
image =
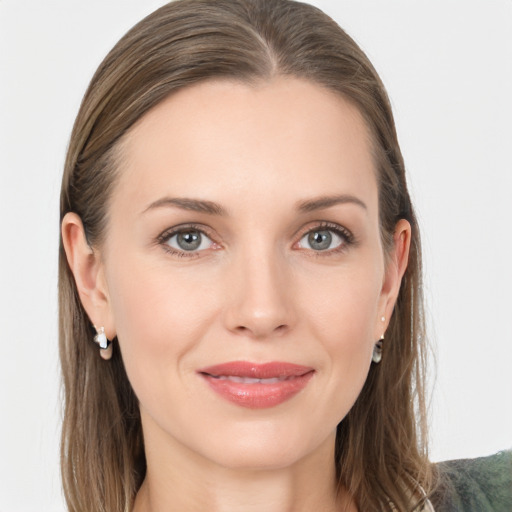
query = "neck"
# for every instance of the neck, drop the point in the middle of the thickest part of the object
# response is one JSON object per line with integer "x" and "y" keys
{"x": 182, "y": 480}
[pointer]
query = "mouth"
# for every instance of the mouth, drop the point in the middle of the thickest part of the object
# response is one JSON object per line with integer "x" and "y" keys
{"x": 249, "y": 380}
{"x": 257, "y": 386}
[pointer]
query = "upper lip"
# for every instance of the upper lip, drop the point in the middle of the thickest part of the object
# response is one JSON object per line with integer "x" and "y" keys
{"x": 256, "y": 370}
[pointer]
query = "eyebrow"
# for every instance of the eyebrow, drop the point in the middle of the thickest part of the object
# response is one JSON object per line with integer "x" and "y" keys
{"x": 322, "y": 202}
{"x": 212, "y": 208}
{"x": 185, "y": 203}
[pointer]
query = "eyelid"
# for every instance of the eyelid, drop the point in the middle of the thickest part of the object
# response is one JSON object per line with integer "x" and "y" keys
{"x": 338, "y": 229}
{"x": 163, "y": 238}
{"x": 326, "y": 225}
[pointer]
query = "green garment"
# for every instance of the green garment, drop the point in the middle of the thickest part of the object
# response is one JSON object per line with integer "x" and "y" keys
{"x": 475, "y": 485}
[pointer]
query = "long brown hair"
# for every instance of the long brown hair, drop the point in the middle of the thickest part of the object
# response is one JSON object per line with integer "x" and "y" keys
{"x": 381, "y": 455}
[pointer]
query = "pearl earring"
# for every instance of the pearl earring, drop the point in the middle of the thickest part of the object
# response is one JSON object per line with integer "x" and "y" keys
{"x": 105, "y": 345}
{"x": 377, "y": 351}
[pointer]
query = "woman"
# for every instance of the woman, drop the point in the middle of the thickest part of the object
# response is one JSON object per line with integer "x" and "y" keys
{"x": 239, "y": 243}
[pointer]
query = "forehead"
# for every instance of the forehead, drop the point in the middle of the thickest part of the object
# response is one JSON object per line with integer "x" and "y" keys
{"x": 225, "y": 140}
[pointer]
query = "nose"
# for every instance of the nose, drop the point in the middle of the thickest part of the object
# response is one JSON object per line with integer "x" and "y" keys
{"x": 260, "y": 296}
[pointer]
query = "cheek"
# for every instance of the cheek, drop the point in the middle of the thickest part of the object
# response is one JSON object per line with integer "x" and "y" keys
{"x": 342, "y": 317}
{"x": 157, "y": 317}
{"x": 344, "y": 307}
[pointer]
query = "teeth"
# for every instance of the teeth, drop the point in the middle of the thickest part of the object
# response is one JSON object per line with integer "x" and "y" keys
{"x": 249, "y": 380}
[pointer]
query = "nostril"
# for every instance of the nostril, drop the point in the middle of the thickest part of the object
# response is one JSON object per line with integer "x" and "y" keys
{"x": 260, "y": 331}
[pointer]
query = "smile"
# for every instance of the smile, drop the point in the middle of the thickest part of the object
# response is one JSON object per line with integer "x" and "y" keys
{"x": 257, "y": 386}
{"x": 250, "y": 380}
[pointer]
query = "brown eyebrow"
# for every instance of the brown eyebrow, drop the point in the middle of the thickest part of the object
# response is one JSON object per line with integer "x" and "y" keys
{"x": 185, "y": 203}
{"x": 211, "y": 208}
{"x": 322, "y": 202}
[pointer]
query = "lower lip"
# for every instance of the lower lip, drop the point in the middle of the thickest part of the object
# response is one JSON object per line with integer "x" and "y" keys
{"x": 258, "y": 395}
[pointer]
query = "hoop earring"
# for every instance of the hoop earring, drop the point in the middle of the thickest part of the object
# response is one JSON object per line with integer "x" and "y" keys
{"x": 377, "y": 351}
{"x": 105, "y": 345}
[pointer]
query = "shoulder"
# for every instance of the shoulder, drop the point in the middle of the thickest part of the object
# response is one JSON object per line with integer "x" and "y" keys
{"x": 475, "y": 485}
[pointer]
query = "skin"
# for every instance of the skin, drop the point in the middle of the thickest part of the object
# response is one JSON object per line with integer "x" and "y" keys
{"x": 256, "y": 290}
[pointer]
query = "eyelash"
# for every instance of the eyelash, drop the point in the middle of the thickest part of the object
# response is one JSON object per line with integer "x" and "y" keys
{"x": 347, "y": 237}
{"x": 168, "y": 234}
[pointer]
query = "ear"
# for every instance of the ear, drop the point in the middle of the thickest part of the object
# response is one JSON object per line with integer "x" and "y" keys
{"x": 395, "y": 269}
{"x": 87, "y": 268}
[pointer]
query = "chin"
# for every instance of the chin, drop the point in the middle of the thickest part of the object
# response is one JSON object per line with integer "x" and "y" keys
{"x": 264, "y": 445}
{"x": 257, "y": 457}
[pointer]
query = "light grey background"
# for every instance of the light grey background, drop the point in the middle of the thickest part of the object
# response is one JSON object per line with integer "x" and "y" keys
{"x": 447, "y": 67}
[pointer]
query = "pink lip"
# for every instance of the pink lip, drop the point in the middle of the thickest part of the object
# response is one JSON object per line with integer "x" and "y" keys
{"x": 293, "y": 378}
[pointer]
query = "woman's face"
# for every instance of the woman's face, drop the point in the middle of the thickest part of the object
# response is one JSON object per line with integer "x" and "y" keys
{"x": 244, "y": 228}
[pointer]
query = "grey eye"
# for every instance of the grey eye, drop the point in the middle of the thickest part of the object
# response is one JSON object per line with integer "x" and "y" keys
{"x": 321, "y": 240}
{"x": 190, "y": 240}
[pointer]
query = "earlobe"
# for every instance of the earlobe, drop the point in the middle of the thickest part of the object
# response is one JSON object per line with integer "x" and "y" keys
{"x": 86, "y": 266}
